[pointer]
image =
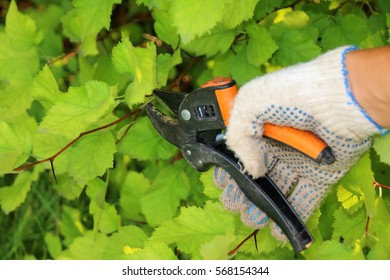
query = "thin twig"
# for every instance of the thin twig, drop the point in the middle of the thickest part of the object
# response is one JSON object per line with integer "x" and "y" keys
{"x": 376, "y": 184}
{"x": 176, "y": 82}
{"x": 67, "y": 56}
{"x": 254, "y": 233}
{"x": 367, "y": 225}
{"x": 53, "y": 157}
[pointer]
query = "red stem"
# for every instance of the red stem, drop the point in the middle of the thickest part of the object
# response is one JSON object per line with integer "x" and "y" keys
{"x": 367, "y": 225}
{"x": 53, "y": 157}
{"x": 376, "y": 184}
{"x": 254, "y": 233}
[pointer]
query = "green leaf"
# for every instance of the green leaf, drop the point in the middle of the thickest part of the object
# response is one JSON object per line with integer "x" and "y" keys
{"x": 106, "y": 72}
{"x": 349, "y": 227}
{"x": 149, "y": 3}
{"x": 15, "y": 146}
{"x": 85, "y": 21}
{"x": 53, "y": 244}
{"x": 349, "y": 201}
{"x": 238, "y": 11}
{"x": 45, "y": 88}
{"x": 382, "y": 213}
{"x": 327, "y": 209}
{"x": 267, "y": 243}
{"x": 75, "y": 111}
{"x": 219, "y": 247}
{"x": 70, "y": 224}
{"x": 373, "y": 41}
{"x": 295, "y": 47}
{"x": 46, "y": 145}
{"x": 153, "y": 250}
{"x": 222, "y": 64}
{"x": 140, "y": 65}
{"x": 380, "y": 170}
{"x": 85, "y": 72}
{"x": 358, "y": 181}
{"x": 127, "y": 239}
{"x": 218, "y": 40}
{"x": 194, "y": 227}
{"x": 241, "y": 69}
{"x": 48, "y": 16}
{"x": 378, "y": 231}
{"x": 13, "y": 196}
{"x": 105, "y": 216}
{"x": 350, "y": 29}
{"x": 194, "y": 18}
{"x": 384, "y": 5}
{"x": 162, "y": 199}
{"x": 296, "y": 19}
{"x": 209, "y": 187}
{"x": 21, "y": 63}
{"x": 15, "y": 98}
{"x": 144, "y": 143}
{"x": 108, "y": 220}
{"x": 164, "y": 27}
{"x": 91, "y": 156}
{"x": 381, "y": 249}
{"x": 333, "y": 250}
{"x": 91, "y": 246}
{"x": 66, "y": 185}
{"x": 381, "y": 146}
{"x": 96, "y": 191}
{"x": 21, "y": 29}
{"x": 265, "y": 7}
{"x": 165, "y": 63}
{"x": 313, "y": 222}
{"x": 261, "y": 46}
{"x": 134, "y": 186}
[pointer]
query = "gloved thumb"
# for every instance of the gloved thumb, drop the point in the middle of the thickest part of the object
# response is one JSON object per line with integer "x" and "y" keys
{"x": 250, "y": 147}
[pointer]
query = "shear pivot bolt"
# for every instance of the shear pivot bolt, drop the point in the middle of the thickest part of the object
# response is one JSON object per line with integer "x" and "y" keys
{"x": 188, "y": 152}
{"x": 186, "y": 115}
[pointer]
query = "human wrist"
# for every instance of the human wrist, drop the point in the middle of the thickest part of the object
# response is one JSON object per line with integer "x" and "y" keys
{"x": 369, "y": 86}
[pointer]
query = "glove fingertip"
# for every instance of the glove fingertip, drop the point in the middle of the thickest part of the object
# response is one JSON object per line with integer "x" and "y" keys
{"x": 233, "y": 198}
{"x": 254, "y": 217}
{"x": 221, "y": 178}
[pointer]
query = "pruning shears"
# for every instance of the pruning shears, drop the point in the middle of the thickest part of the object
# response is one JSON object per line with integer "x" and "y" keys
{"x": 196, "y": 126}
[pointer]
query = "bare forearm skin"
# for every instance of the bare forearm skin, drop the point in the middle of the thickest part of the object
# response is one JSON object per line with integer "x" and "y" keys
{"x": 369, "y": 79}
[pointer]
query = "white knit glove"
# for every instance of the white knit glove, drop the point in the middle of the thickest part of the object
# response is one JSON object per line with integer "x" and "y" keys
{"x": 311, "y": 96}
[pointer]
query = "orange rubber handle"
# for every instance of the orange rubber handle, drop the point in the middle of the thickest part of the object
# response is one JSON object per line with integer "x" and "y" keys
{"x": 303, "y": 141}
{"x": 225, "y": 95}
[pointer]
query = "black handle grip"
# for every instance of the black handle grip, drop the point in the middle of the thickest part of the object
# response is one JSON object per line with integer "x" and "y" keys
{"x": 262, "y": 192}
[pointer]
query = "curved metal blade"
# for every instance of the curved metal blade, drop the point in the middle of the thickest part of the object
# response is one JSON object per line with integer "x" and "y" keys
{"x": 170, "y": 98}
{"x": 168, "y": 127}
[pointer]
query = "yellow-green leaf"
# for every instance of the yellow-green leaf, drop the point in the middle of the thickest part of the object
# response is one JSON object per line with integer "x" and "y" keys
{"x": 76, "y": 110}
{"x": 91, "y": 156}
{"x": 140, "y": 65}
{"x": 15, "y": 146}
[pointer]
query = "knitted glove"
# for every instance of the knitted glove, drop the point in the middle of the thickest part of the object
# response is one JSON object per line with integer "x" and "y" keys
{"x": 311, "y": 96}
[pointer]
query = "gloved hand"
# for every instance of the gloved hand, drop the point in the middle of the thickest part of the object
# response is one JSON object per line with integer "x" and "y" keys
{"x": 313, "y": 96}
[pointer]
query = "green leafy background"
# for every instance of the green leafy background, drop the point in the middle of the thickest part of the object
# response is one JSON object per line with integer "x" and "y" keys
{"x": 123, "y": 192}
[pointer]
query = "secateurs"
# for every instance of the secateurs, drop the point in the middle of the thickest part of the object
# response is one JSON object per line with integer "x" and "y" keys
{"x": 197, "y": 126}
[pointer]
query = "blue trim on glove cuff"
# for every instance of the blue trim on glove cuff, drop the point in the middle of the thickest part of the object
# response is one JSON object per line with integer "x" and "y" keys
{"x": 382, "y": 131}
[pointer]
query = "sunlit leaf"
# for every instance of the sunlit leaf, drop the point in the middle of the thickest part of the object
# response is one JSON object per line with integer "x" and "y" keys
{"x": 162, "y": 199}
